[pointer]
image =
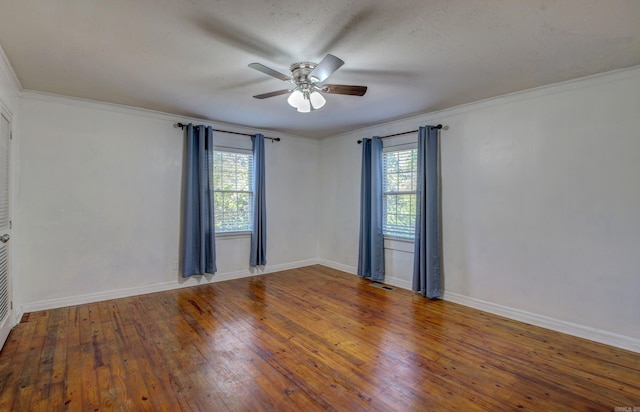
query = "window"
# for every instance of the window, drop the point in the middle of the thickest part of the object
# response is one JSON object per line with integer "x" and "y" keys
{"x": 233, "y": 191}
{"x": 399, "y": 181}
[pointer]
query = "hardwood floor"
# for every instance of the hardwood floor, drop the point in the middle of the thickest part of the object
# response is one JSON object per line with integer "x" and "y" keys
{"x": 304, "y": 339}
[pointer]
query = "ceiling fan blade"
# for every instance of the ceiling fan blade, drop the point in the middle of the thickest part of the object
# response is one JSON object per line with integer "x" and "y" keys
{"x": 271, "y": 94}
{"x": 344, "y": 89}
{"x": 325, "y": 68}
{"x": 266, "y": 70}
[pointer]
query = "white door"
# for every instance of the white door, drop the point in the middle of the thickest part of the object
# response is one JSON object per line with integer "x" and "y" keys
{"x": 6, "y": 306}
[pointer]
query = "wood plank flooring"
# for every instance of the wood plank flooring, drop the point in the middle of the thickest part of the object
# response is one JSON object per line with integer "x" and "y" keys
{"x": 307, "y": 339}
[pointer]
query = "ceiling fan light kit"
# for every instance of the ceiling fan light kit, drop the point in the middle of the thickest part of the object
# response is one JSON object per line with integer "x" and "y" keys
{"x": 304, "y": 99}
{"x": 308, "y": 80}
{"x": 317, "y": 100}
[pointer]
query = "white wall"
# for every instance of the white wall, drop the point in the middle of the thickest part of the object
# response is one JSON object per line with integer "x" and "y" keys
{"x": 98, "y": 203}
{"x": 541, "y": 205}
{"x": 338, "y": 218}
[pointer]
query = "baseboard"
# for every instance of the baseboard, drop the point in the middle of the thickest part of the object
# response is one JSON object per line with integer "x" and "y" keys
{"x": 389, "y": 280}
{"x": 337, "y": 266}
{"x": 157, "y": 287}
{"x": 581, "y": 331}
{"x": 99, "y": 296}
{"x": 397, "y": 282}
{"x": 260, "y": 270}
{"x": 17, "y": 315}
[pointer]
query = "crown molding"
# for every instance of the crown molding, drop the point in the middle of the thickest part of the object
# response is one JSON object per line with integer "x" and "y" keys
{"x": 140, "y": 112}
{"x": 435, "y": 117}
{"x": 7, "y": 69}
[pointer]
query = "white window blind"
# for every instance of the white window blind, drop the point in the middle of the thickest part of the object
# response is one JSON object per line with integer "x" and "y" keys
{"x": 233, "y": 191}
{"x": 399, "y": 181}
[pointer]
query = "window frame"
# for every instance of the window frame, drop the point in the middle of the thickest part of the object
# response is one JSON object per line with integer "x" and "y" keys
{"x": 235, "y": 150}
{"x": 395, "y": 236}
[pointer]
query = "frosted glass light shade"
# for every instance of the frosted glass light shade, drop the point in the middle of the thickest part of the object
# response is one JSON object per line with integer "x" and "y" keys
{"x": 305, "y": 106}
{"x": 296, "y": 98}
{"x": 317, "y": 100}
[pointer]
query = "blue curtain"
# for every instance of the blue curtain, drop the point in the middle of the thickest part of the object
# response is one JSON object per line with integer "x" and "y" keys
{"x": 198, "y": 225}
{"x": 258, "y": 254}
{"x": 427, "y": 248}
{"x": 371, "y": 248}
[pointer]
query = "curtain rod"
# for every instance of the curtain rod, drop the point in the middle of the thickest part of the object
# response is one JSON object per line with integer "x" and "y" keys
{"x": 273, "y": 139}
{"x": 410, "y": 131}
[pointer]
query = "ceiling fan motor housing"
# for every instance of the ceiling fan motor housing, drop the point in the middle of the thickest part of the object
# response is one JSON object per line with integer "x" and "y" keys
{"x": 300, "y": 74}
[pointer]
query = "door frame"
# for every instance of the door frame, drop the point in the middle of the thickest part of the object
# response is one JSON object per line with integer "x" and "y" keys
{"x": 11, "y": 319}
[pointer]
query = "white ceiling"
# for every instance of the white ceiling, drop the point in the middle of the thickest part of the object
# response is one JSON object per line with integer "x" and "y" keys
{"x": 189, "y": 57}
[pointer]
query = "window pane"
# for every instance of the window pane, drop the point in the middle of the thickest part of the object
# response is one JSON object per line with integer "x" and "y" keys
{"x": 233, "y": 200}
{"x": 390, "y": 220}
{"x": 392, "y": 204}
{"x": 392, "y": 162}
{"x": 405, "y": 182}
{"x": 403, "y": 204}
{"x": 392, "y": 183}
{"x": 399, "y": 187}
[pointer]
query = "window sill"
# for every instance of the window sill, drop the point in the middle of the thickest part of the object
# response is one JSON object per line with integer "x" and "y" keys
{"x": 399, "y": 239}
{"x": 399, "y": 244}
{"x": 232, "y": 235}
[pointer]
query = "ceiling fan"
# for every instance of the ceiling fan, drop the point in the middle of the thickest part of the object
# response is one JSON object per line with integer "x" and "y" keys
{"x": 308, "y": 81}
